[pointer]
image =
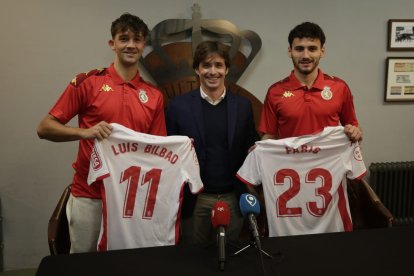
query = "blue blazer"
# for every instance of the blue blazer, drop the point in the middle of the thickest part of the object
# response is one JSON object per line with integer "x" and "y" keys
{"x": 184, "y": 116}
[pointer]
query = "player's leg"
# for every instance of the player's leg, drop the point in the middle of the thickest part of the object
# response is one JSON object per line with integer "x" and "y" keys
{"x": 84, "y": 218}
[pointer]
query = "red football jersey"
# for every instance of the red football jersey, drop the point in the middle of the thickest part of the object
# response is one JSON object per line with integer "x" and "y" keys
{"x": 102, "y": 95}
{"x": 292, "y": 110}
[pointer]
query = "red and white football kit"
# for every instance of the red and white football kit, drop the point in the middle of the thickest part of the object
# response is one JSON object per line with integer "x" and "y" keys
{"x": 304, "y": 181}
{"x": 143, "y": 179}
{"x": 102, "y": 95}
{"x": 291, "y": 109}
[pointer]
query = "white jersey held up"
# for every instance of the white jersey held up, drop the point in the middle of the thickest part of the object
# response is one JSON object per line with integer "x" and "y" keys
{"x": 304, "y": 181}
{"x": 143, "y": 180}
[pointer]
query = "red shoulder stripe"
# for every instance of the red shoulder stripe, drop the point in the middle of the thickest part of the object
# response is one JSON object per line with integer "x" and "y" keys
{"x": 76, "y": 81}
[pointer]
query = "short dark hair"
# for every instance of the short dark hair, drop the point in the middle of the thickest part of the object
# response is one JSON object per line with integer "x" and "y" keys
{"x": 307, "y": 30}
{"x": 128, "y": 21}
{"x": 207, "y": 48}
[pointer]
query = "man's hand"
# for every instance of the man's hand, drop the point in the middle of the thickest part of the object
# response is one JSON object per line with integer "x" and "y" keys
{"x": 99, "y": 131}
{"x": 354, "y": 133}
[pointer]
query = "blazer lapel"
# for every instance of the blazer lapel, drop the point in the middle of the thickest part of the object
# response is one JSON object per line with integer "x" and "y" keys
{"x": 198, "y": 113}
{"x": 231, "y": 117}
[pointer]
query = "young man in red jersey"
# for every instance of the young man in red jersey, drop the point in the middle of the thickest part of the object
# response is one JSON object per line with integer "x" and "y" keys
{"x": 304, "y": 103}
{"x": 116, "y": 94}
{"x": 308, "y": 99}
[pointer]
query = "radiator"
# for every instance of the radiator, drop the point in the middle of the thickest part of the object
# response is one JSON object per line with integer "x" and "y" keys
{"x": 394, "y": 184}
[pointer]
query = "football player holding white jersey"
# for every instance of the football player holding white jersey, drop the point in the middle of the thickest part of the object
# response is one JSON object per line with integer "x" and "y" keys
{"x": 143, "y": 179}
{"x": 304, "y": 181}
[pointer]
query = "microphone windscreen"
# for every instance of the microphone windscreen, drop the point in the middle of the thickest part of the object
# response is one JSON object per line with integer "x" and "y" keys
{"x": 220, "y": 214}
{"x": 249, "y": 205}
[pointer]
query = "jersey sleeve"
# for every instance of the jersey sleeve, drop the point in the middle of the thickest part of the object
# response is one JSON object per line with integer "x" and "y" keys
{"x": 98, "y": 168}
{"x": 68, "y": 105}
{"x": 348, "y": 115}
{"x": 268, "y": 120}
{"x": 358, "y": 169}
{"x": 76, "y": 97}
{"x": 249, "y": 172}
{"x": 158, "y": 123}
{"x": 191, "y": 168}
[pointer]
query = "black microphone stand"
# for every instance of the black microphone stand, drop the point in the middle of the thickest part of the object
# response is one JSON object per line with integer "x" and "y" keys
{"x": 228, "y": 245}
{"x": 252, "y": 244}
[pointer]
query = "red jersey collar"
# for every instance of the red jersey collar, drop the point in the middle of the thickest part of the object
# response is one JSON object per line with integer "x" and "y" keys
{"x": 318, "y": 84}
{"x": 118, "y": 80}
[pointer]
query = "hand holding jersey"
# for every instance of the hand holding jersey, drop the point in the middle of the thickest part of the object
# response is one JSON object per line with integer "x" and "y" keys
{"x": 353, "y": 133}
{"x": 99, "y": 131}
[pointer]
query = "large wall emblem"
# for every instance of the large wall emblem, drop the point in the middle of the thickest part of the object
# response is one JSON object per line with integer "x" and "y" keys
{"x": 168, "y": 56}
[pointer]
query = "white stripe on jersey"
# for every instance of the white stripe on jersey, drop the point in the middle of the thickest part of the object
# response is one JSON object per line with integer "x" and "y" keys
{"x": 143, "y": 178}
{"x": 304, "y": 181}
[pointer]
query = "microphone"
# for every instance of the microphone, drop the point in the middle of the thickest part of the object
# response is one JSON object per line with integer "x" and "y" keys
{"x": 250, "y": 208}
{"x": 220, "y": 218}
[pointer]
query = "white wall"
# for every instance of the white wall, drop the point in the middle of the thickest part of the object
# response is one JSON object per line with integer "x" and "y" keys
{"x": 45, "y": 43}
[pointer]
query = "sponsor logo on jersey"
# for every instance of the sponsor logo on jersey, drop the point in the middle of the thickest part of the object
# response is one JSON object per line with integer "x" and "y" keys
{"x": 326, "y": 93}
{"x": 106, "y": 88}
{"x": 357, "y": 153}
{"x": 287, "y": 94}
{"x": 96, "y": 160}
{"x": 143, "y": 97}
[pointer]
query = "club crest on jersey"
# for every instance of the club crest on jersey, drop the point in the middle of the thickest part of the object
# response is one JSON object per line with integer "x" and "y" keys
{"x": 143, "y": 97}
{"x": 106, "y": 88}
{"x": 95, "y": 160}
{"x": 287, "y": 94}
{"x": 326, "y": 93}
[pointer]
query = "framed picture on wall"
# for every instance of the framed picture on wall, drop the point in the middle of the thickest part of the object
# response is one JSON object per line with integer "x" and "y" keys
{"x": 401, "y": 35}
{"x": 399, "y": 80}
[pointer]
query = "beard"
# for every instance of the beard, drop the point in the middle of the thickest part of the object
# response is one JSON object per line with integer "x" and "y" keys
{"x": 306, "y": 70}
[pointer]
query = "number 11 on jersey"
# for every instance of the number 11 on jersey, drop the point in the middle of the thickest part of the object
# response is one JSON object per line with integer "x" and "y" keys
{"x": 132, "y": 175}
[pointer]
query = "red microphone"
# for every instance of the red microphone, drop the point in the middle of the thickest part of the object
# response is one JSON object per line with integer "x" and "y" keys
{"x": 220, "y": 214}
{"x": 220, "y": 218}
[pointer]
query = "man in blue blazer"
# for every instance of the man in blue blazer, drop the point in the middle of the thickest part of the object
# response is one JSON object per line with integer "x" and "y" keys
{"x": 223, "y": 130}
